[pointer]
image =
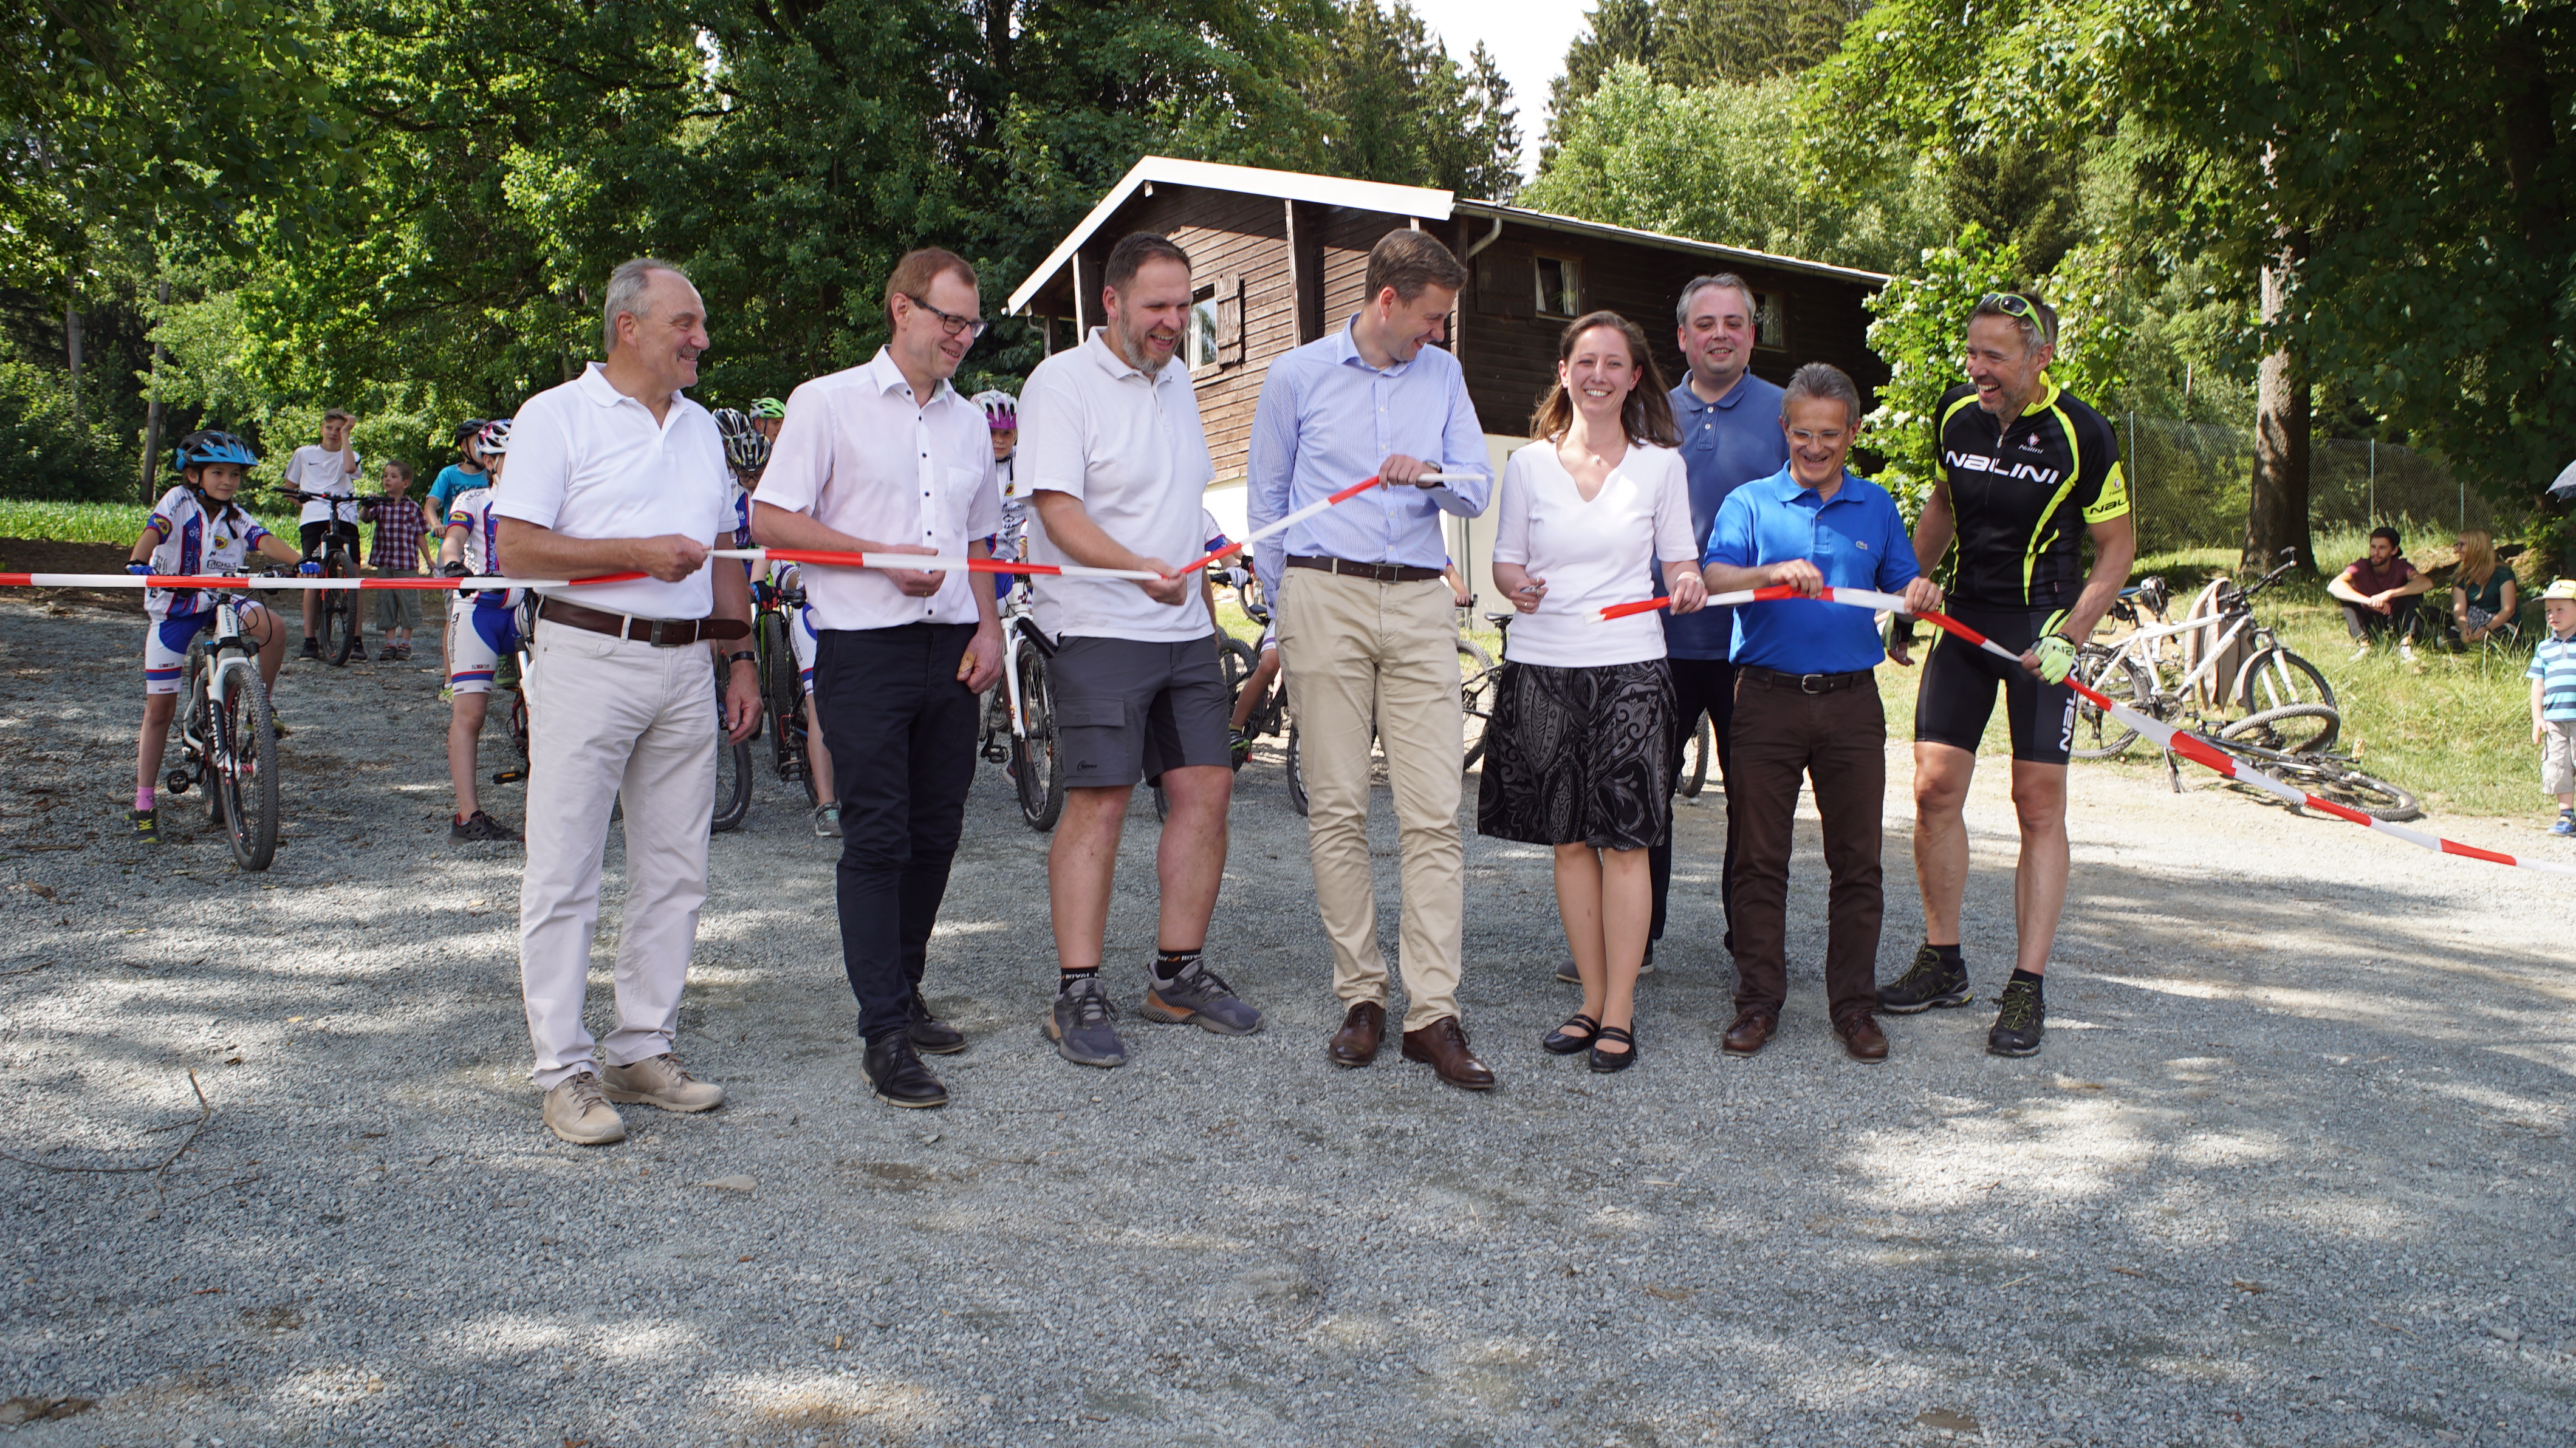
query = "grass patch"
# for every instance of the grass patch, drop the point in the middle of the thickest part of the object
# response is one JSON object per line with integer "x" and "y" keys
{"x": 72, "y": 522}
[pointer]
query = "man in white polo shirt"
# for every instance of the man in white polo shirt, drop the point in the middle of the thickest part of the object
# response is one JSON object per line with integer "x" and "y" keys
{"x": 616, "y": 472}
{"x": 1116, "y": 462}
{"x": 887, "y": 458}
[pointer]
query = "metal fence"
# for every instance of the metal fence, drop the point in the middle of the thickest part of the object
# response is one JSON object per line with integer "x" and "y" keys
{"x": 2192, "y": 481}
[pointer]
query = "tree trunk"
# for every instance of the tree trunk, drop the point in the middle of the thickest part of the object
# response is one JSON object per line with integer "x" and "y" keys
{"x": 2278, "y": 517}
{"x": 72, "y": 346}
{"x": 152, "y": 405}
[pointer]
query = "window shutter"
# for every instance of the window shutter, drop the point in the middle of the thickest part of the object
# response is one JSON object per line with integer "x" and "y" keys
{"x": 1229, "y": 319}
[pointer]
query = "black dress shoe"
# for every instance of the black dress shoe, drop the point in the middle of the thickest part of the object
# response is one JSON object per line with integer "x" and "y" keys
{"x": 1606, "y": 1062}
{"x": 895, "y": 1071}
{"x": 928, "y": 1031}
{"x": 1558, "y": 1043}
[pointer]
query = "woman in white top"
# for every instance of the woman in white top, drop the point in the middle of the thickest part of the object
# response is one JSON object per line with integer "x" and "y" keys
{"x": 1581, "y": 749}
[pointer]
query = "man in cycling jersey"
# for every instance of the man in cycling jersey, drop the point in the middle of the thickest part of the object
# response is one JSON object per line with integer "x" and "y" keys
{"x": 767, "y": 415}
{"x": 479, "y": 637}
{"x": 196, "y": 529}
{"x": 2023, "y": 473}
{"x": 330, "y": 466}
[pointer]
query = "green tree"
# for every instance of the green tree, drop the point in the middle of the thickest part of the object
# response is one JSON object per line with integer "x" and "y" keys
{"x": 1401, "y": 110}
{"x": 1693, "y": 43}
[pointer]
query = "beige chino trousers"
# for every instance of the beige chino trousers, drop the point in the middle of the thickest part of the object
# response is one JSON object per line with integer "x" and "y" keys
{"x": 1357, "y": 654}
{"x": 610, "y": 717}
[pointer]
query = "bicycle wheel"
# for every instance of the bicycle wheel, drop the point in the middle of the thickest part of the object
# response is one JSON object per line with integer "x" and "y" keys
{"x": 2276, "y": 679}
{"x": 2118, "y": 678}
{"x": 1697, "y": 751}
{"x": 733, "y": 770}
{"x": 246, "y": 770}
{"x": 1297, "y": 772}
{"x": 1476, "y": 675}
{"x": 339, "y": 623}
{"x": 1237, "y": 660}
{"x": 2294, "y": 729}
{"x": 1035, "y": 769}
{"x": 2353, "y": 789}
{"x": 781, "y": 693}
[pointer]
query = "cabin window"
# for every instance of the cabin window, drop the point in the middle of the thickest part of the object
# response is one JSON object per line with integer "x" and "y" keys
{"x": 1770, "y": 326}
{"x": 1560, "y": 286}
{"x": 1202, "y": 355}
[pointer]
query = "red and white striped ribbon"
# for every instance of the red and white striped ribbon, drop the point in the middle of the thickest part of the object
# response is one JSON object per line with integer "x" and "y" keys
{"x": 2180, "y": 741}
{"x": 291, "y": 581}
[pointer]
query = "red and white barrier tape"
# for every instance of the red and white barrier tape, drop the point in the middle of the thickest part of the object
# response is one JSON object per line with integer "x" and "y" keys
{"x": 936, "y": 563}
{"x": 1309, "y": 511}
{"x": 291, "y": 581}
{"x": 2180, "y": 741}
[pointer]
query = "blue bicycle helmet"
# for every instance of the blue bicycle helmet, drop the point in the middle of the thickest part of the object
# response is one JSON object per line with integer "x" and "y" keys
{"x": 211, "y": 446}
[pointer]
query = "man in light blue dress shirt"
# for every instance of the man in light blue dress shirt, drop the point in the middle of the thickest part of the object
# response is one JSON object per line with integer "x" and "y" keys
{"x": 1366, "y": 638}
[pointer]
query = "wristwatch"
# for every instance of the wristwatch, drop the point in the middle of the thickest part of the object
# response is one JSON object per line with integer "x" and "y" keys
{"x": 742, "y": 656}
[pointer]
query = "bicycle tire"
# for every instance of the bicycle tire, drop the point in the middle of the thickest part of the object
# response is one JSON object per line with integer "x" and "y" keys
{"x": 2276, "y": 678}
{"x": 248, "y": 732}
{"x": 1476, "y": 676}
{"x": 781, "y": 691}
{"x": 196, "y": 727}
{"x": 2116, "y": 677}
{"x": 1696, "y": 753}
{"x": 1036, "y": 768}
{"x": 1296, "y": 773}
{"x": 733, "y": 770}
{"x": 339, "y": 614}
{"x": 2293, "y": 729}
{"x": 1236, "y": 660}
{"x": 2376, "y": 798}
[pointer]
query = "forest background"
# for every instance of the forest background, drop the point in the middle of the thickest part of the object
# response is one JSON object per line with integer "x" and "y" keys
{"x": 2303, "y": 224}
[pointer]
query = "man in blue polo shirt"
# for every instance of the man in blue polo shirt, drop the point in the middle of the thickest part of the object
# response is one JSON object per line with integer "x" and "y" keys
{"x": 1807, "y": 703}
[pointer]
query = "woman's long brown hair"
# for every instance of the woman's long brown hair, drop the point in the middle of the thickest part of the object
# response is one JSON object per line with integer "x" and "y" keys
{"x": 1647, "y": 418}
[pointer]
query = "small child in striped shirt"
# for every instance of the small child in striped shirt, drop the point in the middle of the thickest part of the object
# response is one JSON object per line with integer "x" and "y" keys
{"x": 2553, "y": 701}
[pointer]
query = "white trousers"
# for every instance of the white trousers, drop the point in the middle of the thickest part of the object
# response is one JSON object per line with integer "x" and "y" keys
{"x": 610, "y": 717}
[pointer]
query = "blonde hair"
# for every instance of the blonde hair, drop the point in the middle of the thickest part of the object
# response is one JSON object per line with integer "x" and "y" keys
{"x": 2477, "y": 554}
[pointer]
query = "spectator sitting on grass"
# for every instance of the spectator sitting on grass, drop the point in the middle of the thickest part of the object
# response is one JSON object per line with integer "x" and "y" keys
{"x": 2485, "y": 598}
{"x": 2553, "y": 701}
{"x": 2378, "y": 594}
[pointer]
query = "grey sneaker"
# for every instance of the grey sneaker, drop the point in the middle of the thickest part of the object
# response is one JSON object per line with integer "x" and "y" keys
{"x": 660, "y": 1081}
{"x": 1080, "y": 1025}
{"x": 827, "y": 821}
{"x": 1199, "y": 996}
{"x": 576, "y": 1111}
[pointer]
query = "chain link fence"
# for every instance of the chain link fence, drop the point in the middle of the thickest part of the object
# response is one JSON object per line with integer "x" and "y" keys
{"x": 2191, "y": 483}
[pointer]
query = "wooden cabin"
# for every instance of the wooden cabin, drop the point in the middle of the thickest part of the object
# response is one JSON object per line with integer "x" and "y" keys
{"x": 1279, "y": 258}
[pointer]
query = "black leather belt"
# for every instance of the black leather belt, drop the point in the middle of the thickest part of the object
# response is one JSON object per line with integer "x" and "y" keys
{"x": 1803, "y": 683}
{"x": 1381, "y": 572}
{"x": 664, "y": 633}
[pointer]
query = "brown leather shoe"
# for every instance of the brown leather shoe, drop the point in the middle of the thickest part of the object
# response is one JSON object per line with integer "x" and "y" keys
{"x": 1862, "y": 1039}
{"x": 1443, "y": 1044}
{"x": 1751, "y": 1032}
{"x": 1356, "y": 1043}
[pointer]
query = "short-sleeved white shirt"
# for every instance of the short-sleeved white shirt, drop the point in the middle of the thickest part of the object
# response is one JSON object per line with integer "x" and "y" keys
{"x": 588, "y": 461}
{"x": 1591, "y": 554}
{"x": 1131, "y": 447}
{"x": 195, "y": 543}
{"x": 863, "y": 456}
{"x": 315, "y": 469}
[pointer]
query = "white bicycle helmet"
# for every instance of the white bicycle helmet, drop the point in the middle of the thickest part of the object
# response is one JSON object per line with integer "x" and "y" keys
{"x": 1001, "y": 410}
{"x": 495, "y": 436}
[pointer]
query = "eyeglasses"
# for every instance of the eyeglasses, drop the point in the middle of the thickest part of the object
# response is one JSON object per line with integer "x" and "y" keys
{"x": 949, "y": 322}
{"x": 1830, "y": 437}
{"x": 2019, "y": 308}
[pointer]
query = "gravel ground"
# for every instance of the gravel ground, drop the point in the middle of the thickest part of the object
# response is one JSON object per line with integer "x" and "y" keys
{"x": 2291, "y": 1169}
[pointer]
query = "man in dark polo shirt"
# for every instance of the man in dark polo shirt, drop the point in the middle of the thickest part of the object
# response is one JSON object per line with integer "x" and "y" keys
{"x": 1807, "y": 703}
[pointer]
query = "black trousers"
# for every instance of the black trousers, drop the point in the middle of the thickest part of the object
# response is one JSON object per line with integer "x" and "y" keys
{"x": 1700, "y": 686}
{"x": 2363, "y": 622}
{"x": 901, "y": 730}
{"x": 1838, "y": 741}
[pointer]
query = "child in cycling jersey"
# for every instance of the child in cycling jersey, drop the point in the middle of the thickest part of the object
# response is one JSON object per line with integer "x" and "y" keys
{"x": 747, "y": 438}
{"x": 196, "y": 529}
{"x": 1002, "y": 419}
{"x": 477, "y": 636}
{"x": 818, "y": 760}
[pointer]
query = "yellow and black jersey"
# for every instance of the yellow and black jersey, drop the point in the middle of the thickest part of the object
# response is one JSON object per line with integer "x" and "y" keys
{"x": 2024, "y": 495}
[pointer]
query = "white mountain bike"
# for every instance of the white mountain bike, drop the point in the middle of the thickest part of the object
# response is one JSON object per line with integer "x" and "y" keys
{"x": 229, "y": 739}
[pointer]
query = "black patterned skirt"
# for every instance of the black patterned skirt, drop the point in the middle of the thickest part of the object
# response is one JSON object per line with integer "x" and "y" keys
{"x": 1580, "y": 756}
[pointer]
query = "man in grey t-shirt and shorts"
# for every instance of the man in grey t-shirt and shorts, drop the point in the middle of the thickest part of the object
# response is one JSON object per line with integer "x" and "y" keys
{"x": 1116, "y": 462}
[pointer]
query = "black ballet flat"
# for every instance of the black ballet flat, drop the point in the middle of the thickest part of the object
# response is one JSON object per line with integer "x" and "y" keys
{"x": 1558, "y": 1043}
{"x": 1606, "y": 1062}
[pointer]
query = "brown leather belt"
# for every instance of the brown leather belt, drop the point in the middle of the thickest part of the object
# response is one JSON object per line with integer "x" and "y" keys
{"x": 1803, "y": 683}
{"x": 666, "y": 633}
{"x": 1382, "y": 572}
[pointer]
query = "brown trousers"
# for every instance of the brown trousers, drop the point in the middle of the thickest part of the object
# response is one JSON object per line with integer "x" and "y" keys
{"x": 1838, "y": 740}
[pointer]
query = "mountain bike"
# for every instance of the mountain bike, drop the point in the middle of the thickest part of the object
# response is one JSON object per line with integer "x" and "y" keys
{"x": 782, "y": 689}
{"x": 2284, "y": 743}
{"x": 229, "y": 739}
{"x": 1480, "y": 680}
{"x": 2147, "y": 675}
{"x": 733, "y": 764}
{"x": 1019, "y": 713}
{"x": 337, "y": 627}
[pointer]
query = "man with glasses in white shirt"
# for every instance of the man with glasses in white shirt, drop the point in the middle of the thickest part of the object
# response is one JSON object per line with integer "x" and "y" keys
{"x": 617, "y": 472}
{"x": 887, "y": 458}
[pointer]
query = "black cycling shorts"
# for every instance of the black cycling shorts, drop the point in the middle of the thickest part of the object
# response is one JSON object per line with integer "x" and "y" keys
{"x": 347, "y": 530}
{"x": 1958, "y": 693}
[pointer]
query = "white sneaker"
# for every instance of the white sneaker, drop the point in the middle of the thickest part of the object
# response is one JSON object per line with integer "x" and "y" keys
{"x": 661, "y": 1081}
{"x": 576, "y": 1111}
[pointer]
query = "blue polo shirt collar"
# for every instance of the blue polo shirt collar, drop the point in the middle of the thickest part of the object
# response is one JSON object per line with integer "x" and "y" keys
{"x": 1689, "y": 396}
